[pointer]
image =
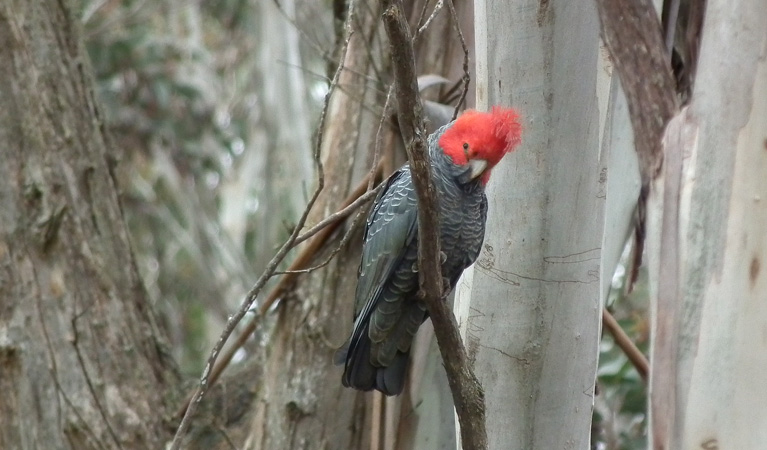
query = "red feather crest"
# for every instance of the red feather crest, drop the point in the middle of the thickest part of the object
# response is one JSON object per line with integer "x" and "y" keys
{"x": 482, "y": 135}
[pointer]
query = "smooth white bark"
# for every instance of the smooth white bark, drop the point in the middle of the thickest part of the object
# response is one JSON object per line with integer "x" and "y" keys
{"x": 530, "y": 307}
{"x": 720, "y": 355}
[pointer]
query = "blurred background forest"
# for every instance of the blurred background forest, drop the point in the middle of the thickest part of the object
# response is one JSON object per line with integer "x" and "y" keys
{"x": 213, "y": 107}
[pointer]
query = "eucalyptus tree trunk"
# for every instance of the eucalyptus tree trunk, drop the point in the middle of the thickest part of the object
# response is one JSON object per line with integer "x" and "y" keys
{"x": 709, "y": 351}
{"x": 530, "y": 307}
{"x": 80, "y": 356}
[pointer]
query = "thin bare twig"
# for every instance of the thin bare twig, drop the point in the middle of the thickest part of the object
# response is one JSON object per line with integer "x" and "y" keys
{"x": 227, "y": 438}
{"x": 347, "y": 236}
{"x": 311, "y": 40}
{"x": 379, "y": 133}
{"x": 466, "y": 77}
{"x": 368, "y": 46}
{"x": 437, "y": 9}
{"x": 421, "y": 17}
{"x": 271, "y": 267}
{"x": 340, "y": 214}
{"x": 468, "y": 395}
{"x": 370, "y": 83}
{"x": 314, "y": 43}
{"x": 625, "y": 343}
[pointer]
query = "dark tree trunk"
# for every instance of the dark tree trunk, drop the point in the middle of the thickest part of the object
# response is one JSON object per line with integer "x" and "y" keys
{"x": 80, "y": 357}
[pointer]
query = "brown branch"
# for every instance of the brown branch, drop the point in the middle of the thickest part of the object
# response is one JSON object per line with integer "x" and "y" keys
{"x": 468, "y": 396}
{"x": 234, "y": 320}
{"x": 347, "y": 236}
{"x": 372, "y": 176}
{"x": 421, "y": 18}
{"x": 625, "y": 343}
{"x": 632, "y": 33}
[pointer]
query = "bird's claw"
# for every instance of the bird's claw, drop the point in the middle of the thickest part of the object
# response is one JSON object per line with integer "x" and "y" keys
{"x": 445, "y": 287}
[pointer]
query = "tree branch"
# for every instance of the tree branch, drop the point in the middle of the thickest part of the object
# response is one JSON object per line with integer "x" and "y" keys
{"x": 341, "y": 214}
{"x": 625, "y": 343}
{"x": 468, "y": 395}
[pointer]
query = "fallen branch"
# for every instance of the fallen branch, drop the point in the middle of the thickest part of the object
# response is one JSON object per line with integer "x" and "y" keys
{"x": 468, "y": 395}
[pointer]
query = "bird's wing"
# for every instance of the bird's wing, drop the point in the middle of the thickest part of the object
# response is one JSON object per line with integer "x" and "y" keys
{"x": 476, "y": 240}
{"x": 391, "y": 228}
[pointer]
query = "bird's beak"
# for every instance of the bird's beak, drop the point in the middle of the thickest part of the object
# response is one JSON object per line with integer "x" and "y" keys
{"x": 477, "y": 168}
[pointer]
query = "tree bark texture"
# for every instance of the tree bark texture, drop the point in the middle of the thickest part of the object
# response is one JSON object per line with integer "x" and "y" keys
{"x": 708, "y": 348}
{"x": 80, "y": 355}
{"x": 529, "y": 307}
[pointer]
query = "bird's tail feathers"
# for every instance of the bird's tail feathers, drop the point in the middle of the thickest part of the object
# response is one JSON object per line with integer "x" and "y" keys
{"x": 361, "y": 374}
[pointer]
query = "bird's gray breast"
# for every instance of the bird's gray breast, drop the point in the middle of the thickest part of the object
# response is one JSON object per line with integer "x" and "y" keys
{"x": 462, "y": 226}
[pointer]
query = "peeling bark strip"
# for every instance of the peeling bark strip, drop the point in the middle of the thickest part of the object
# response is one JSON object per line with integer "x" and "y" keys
{"x": 632, "y": 32}
{"x": 468, "y": 395}
{"x": 664, "y": 370}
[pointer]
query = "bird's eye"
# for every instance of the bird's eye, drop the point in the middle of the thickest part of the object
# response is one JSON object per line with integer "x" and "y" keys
{"x": 465, "y": 145}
